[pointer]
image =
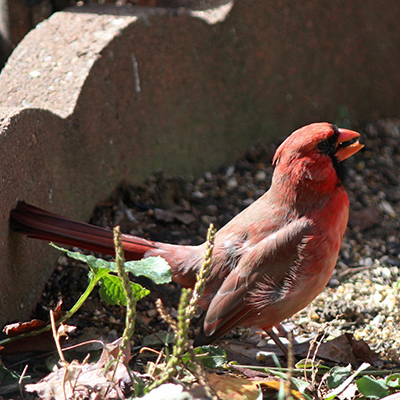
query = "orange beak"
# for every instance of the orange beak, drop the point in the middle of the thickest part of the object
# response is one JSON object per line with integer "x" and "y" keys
{"x": 348, "y": 144}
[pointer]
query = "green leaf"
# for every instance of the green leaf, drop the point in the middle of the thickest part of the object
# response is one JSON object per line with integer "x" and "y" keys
{"x": 210, "y": 356}
{"x": 139, "y": 291}
{"x": 154, "y": 268}
{"x": 337, "y": 375}
{"x": 300, "y": 385}
{"x": 92, "y": 261}
{"x": 112, "y": 291}
{"x": 335, "y": 392}
{"x": 393, "y": 381}
{"x": 97, "y": 274}
{"x": 372, "y": 388}
{"x": 281, "y": 392}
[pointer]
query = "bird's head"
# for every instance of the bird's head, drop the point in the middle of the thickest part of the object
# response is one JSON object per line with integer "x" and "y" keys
{"x": 312, "y": 156}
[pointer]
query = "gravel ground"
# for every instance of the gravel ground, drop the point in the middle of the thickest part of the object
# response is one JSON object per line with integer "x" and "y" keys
{"x": 362, "y": 296}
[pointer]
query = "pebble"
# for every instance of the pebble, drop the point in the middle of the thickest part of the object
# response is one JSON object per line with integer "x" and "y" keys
{"x": 367, "y": 262}
{"x": 313, "y": 315}
{"x": 232, "y": 183}
{"x": 130, "y": 216}
{"x": 63, "y": 261}
{"x": 334, "y": 283}
{"x": 260, "y": 176}
{"x": 247, "y": 202}
{"x": 229, "y": 171}
{"x": 390, "y": 301}
{"x": 386, "y": 272}
{"x": 378, "y": 320}
{"x": 208, "y": 176}
{"x": 387, "y": 208}
{"x": 198, "y": 195}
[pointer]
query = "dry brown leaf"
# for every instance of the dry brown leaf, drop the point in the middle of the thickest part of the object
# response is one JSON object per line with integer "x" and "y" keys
{"x": 345, "y": 349}
{"x": 361, "y": 350}
{"x": 229, "y": 387}
{"x": 274, "y": 385}
{"x": 337, "y": 350}
{"x": 19, "y": 328}
{"x": 42, "y": 342}
{"x": 86, "y": 380}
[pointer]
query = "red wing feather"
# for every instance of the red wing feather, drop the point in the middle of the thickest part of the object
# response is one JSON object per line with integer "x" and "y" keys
{"x": 232, "y": 303}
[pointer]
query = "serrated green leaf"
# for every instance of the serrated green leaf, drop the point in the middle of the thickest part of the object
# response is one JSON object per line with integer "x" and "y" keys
{"x": 154, "y": 268}
{"x": 92, "y": 261}
{"x": 139, "y": 291}
{"x": 73, "y": 254}
{"x": 112, "y": 291}
{"x": 337, "y": 375}
{"x": 372, "y": 388}
{"x": 98, "y": 263}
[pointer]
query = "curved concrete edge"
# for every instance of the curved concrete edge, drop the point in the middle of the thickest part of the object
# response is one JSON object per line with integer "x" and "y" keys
{"x": 25, "y": 138}
{"x": 56, "y": 57}
{"x": 94, "y": 96}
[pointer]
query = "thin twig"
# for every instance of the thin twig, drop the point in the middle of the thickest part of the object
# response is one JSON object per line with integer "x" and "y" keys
{"x": 56, "y": 337}
{"x": 356, "y": 270}
{"x": 21, "y": 378}
{"x": 290, "y": 359}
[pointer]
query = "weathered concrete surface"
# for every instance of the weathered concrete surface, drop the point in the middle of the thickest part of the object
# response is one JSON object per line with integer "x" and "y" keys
{"x": 18, "y": 17}
{"x": 96, "y": 95}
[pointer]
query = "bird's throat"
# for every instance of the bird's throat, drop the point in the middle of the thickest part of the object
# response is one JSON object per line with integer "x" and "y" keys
{"x": 302, "y": 187}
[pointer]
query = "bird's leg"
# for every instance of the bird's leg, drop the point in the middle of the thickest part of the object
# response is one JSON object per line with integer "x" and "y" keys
{"x": 278, "y": 342}
{"x": 281, "y": 331}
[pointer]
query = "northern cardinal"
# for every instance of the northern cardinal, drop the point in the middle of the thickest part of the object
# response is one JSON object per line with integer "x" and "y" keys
{"x": 269, "y": 261}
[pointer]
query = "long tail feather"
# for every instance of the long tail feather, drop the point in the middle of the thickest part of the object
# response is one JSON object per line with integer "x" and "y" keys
{"x": 40, "y": 224}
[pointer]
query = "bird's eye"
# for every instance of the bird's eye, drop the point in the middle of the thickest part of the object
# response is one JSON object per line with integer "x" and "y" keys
{"x": 323, "y": 146}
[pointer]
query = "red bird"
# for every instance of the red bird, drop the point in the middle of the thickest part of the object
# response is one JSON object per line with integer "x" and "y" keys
{"x": 269, "y": 261}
